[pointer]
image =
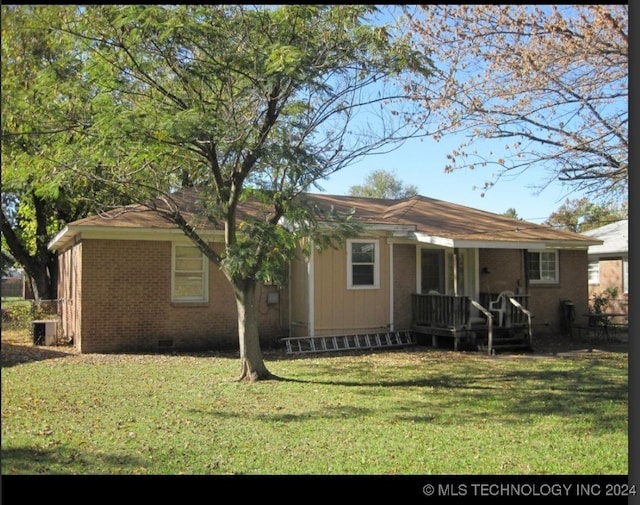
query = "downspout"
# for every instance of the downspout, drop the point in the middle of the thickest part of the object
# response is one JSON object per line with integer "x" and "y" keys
{"x": 311, "y": 288}
{"x": 391, "y": 321}
{"x": 289, "y": 301}
{"x": 525, "y": 271}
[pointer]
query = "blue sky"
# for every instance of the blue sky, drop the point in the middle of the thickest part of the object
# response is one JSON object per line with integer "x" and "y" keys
{"x": 421, "y": 162}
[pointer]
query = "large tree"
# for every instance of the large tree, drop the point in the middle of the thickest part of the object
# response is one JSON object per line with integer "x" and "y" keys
{"x": 240, "y": 103}
{"x": 549, "y": 83}
{"x": 383, "y": 184}
{"x": 44, "y": 112}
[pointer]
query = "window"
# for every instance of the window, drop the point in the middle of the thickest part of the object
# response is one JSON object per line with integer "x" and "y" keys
{"x": 625, "y": 275}
{"x": 542, "y": 266}
{"x": 190, "y": 279}
{"x": 594, "y": 272}
{"x": 363, "y": 264}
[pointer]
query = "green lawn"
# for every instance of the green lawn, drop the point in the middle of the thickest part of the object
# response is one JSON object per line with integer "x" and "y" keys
{"x": 411, "y": 411}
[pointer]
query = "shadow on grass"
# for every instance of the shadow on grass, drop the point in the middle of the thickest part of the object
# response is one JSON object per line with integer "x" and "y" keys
{"x": 16, "y": 354}
{"x": 60, "y": 461}
{"x": 591, "y": 389}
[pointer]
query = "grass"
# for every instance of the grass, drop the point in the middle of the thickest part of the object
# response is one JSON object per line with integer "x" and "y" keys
{"x": 414, "y": 411}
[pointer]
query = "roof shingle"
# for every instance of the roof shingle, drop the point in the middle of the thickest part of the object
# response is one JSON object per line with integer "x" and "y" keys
{"x": 425, "y": 216}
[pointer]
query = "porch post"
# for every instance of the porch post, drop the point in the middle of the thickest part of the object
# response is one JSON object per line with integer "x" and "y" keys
{"x": 455, "y": 270}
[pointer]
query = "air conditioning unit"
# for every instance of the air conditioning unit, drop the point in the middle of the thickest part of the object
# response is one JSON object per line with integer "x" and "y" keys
{"x": 44, "y": 332}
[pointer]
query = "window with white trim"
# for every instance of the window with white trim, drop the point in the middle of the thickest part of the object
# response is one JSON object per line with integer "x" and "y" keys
{"x": 363, "y": 264}
{"x": 189, "y": 279}
{"x": 542, "y": 266}
{"x": 625, "y": 275}
{"x": 594, "y": 271}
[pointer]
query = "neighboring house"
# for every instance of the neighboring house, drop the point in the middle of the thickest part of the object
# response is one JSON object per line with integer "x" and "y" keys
{"x": 13, "y": 285}
{"x": 609, "y": 264}
{"x": 130, "y": 280}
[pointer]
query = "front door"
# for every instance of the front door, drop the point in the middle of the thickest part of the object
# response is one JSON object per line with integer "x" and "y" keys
{"x": 432, "y": 270}
{"x": 448, "y": 271}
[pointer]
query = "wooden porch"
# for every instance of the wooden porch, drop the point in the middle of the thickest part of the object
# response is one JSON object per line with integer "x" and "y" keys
{"x": 501, "y": 321}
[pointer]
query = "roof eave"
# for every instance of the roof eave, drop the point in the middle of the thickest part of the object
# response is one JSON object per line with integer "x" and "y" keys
{"x": 424, "y": 238}
{"x": 60, "y": 240}
{"x": 71, "y": 233}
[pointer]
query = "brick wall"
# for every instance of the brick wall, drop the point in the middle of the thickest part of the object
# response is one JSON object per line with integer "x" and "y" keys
{"x": 507, "y": 272}
{"x": 127, "y": 303}
{"x": 611, "y": 274}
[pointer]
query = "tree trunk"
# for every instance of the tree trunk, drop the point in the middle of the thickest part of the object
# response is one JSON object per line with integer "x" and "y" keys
{"x": 43, "y": 280}
{"x": 251, "y": 360}
{"x": 41, "y": 267}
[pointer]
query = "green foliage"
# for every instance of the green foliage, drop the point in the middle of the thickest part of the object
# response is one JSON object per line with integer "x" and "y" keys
{"x": 405, "y": 412}
{"x": 263, "y": 250}
{"x": 383, "y": 184}
{"x": 511, "y": 212}
{"x": 46, "y": 120}
{"x": 17, "y": 313}
{"x": 266, "y": 114}
{"x": 584, "y": 214}
{"x": 601, "y": 301}
{"x": 232, "y": 100}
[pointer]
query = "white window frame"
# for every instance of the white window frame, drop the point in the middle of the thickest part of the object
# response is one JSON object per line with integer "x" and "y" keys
{"x": 376, "y": 264}
{"x": 556, "y": 278}
{"x": 204, "y": 271}
{"x": 625, "y": 275}
{"x": 594, "y": 271}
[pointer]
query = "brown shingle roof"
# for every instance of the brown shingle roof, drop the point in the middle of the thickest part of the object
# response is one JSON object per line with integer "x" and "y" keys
{"x": 447, "y": 220}
{"x": 424, "y": 216}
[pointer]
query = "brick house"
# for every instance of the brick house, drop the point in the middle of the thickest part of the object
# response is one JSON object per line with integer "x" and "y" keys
{"x": 131, "y": 281}
{"x": 609, "y": 264}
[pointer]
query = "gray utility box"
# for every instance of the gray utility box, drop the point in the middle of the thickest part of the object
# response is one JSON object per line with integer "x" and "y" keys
{"x": 44, "y": 332}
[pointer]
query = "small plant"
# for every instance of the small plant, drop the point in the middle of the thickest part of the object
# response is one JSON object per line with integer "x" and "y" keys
{"x": 20, "y": 313}
{"x": 17, "y": 313}
{"x": 601, "y": 300}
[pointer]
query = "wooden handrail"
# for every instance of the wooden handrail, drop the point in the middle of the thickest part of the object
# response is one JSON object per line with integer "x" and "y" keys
{"x": 520, "y": 315}
{"x": 489, "y": 317}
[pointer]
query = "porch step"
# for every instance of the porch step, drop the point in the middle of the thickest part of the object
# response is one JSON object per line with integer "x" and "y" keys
{"x": 296, "y": 345}
{"x": 504, "y": 347}
{"x": 503, "y": 339}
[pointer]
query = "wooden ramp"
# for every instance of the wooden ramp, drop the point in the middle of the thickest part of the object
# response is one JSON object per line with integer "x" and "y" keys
{"x": 326, "y": 343}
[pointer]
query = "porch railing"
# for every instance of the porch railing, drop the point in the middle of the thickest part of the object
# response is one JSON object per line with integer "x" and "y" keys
{"x": 453, "y": 313}
{"x": 441, "y": 311}
{"x": 489, "y": 321}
